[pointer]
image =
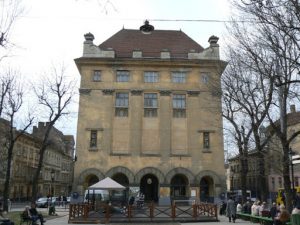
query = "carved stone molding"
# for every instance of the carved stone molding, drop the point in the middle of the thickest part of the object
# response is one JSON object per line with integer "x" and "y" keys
{"x": 136, "y": 92}
{"x": 84, "y": 91}
{"x": 108, "y": 91}
{"x": 165, "y": 92}
{"x": 193, "y": 93}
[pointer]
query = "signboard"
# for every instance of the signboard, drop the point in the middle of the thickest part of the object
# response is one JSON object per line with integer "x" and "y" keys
{"x": 296, "y": 159}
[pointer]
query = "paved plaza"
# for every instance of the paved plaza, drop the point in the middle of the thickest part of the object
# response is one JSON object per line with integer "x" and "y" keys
{"x": 62, "y": 219}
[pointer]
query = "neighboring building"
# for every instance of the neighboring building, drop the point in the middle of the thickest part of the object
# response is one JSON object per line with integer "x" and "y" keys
{"x": 58, "y": 157}
{"x": 273, "y": 159}
{"x": 150, "y": 114}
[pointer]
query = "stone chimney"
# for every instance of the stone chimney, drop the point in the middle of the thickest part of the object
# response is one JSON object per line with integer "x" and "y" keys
{"x": 293, "y": 108}
{"x": 91, "y": 50}
{"x": 89, "y": 37}
{"x": 213, "y": 41}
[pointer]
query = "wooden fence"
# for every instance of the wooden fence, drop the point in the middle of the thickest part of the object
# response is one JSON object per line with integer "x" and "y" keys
{"x": 150, "y": 212}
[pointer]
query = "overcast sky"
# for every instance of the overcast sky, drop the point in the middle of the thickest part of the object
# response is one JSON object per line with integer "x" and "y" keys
{"x": 51, "y": 31}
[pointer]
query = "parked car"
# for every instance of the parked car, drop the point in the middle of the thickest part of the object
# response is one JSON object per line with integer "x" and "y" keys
{"x": 43, "y": 202}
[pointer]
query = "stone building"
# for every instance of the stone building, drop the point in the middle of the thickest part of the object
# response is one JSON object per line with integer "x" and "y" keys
{"x": 150, "y": 114}
{"x": 58, "y": 158}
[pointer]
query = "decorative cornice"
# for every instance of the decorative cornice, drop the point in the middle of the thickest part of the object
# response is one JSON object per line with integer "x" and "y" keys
{"x": 108, "y": 91}
{"x": 136, "y": 92}
{"x": 193, "y": 93}
{"x": 97, "y": 129}
{"x": 208, "y": 131}
{"x": 84, "y": 91}
{"x": 165, "y": 92}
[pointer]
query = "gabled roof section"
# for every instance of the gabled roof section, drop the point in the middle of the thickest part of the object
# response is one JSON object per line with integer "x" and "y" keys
{"x": 293, "y": 118}
{"x": 151, "y": 44}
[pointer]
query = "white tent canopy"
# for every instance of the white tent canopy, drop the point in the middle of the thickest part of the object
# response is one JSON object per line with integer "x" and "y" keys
{"x": 107, "y": 184}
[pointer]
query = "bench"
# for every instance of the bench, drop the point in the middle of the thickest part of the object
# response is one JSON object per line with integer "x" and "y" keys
{"x": 26, "y": 220}
{"x": 255, "y": 219}
{"x": 295, "y": 219}
{"x": 258, "y": 219}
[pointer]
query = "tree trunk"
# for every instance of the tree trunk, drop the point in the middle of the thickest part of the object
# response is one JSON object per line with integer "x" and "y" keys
{"x": 7, "y": 176}
{"x": 244, "y": 172}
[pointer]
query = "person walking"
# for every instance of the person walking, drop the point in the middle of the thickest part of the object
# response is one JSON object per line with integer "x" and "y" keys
{"x": 231, "y": 210}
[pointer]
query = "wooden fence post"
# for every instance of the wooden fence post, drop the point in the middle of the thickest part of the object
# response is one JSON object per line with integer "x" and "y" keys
{"x": 195, "y": 211}
{"x": 151, "y": 211}
{"x": 173, "y": 211}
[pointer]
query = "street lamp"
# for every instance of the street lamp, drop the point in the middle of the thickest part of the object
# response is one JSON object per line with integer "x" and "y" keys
{"x": 292, "y": 153}
{"x": 52, "y": 207}
{"x": 295, "y": 159}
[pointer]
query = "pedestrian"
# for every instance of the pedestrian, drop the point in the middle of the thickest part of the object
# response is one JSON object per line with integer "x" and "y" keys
{"x": 273, "y": 211}
{"x": 3, "y": 219}
{"x": 223, "y": 208}
{"x": 282, "y": 217}
{"x": 239, "y": 207}
{"x": 296, "y": 211}
{"x": 35, "y": 215}
{"x": 231, "y": 210}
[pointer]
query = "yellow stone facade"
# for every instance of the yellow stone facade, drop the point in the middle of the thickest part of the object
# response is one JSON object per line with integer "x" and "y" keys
{"x": 162, "y": 155}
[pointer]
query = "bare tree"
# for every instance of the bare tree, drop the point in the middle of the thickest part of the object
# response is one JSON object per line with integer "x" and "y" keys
{"x": 282, "y": 16}
{"x": 54, "y": 94}
{"x": 247, "y": 96}
{"x": 12, "y": 99}
{"x": 10, "y": 11}
{"x": 275, "y": 30}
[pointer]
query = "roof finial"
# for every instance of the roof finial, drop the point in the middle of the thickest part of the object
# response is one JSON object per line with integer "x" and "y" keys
{"x": 146, "y": 28}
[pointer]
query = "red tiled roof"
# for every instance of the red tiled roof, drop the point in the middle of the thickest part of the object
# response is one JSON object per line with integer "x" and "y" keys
{"x": 126, "y": 40}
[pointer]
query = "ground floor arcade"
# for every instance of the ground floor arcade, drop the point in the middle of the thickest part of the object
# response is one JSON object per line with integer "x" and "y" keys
{"x": 177, "y": 184}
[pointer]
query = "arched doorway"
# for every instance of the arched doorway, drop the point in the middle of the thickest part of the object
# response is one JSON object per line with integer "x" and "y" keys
{"x": 206, "y": 189}
{"x": 149, "y": 187}
{"x": 120, "y": 196}
{"x": 179, "y": 187}
{"x": 91, "y": 179}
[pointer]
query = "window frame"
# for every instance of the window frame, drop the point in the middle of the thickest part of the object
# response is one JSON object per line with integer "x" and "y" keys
{"x": 205, "y": 77}
{"x": 93, "y": 138}
{"x": 121, "y": 74}
{"x": 151, "y": 77}
{"x": 206, "y": 140}
{"x": 97, "y": 75}
{"x": 150, "y": 110}
{"x": 181, "y": 79}
{"x": 121, "y": 104}
{"x": 179, "y": 105}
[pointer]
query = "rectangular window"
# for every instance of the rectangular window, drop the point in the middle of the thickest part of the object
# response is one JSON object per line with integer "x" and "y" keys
{"x": 151, "y": 77}
{"x": 121, "y": 105}
{"x": 206, "y": 140}
{"x": 280, "y": 182}
{"x": 97, "y": 75}
{"x": 179, "y": 105}
{"x": 178, "y": 77}
{"x": 150, "y": 105}
{"x": 122, "y": 76}
{"x": 273, "y": 183}
{"x": 93, "y": 140}
{"x": 204, "y": 78}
